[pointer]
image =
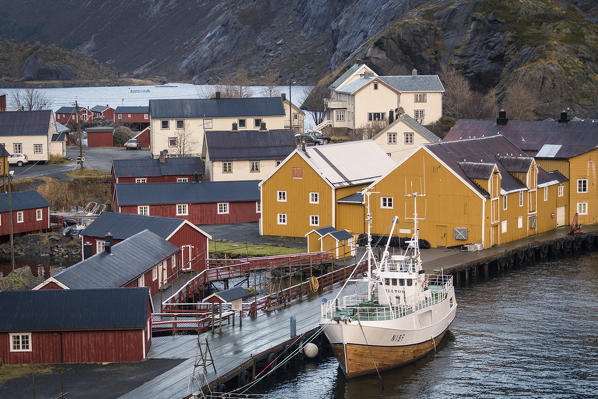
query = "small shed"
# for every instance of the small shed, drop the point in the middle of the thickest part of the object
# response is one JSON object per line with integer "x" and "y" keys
{"x": 75, "y": 326}
{"x": 100, "y": 136}
{"x": 339, "y": 242}
{"x": 234, "y": 296}
{"x": 313, "y": 238}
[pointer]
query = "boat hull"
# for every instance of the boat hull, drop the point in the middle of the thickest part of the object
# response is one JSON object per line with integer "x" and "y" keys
{"x": 358, "y": 360}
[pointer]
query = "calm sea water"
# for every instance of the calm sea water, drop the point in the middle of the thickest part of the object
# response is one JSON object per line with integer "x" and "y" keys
{"x": 531, "y": 333}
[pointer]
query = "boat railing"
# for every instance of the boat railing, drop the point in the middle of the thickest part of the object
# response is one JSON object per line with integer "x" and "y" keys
{"x": 439, "y": 280}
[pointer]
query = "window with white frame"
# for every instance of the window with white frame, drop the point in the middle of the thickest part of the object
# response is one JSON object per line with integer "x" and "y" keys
{"x": 242, "y": 123}
{"x": 520, "y": 222}
{"x": 314, "y": 198}
{"x": 282, "y": 218}
{"x": 120, "y": 116}
{"x": 17, "y": 147}
{"x": 520, "y": 198}
{"x": 163, "y": 124}
{"x": 561, "y": 190}
{"x": 282, "y": 196}
{"x": 100, "y": 245}
{"x": 172, "y": 141}
{"x": 38, "y": 148}
{"x": 145, "y": 116}
{"x": 391, "y": 137}
{"x": 545, "y": 193}
{"x": 173, "y": 261}
{"x": 182, "y": 209}
{"x": 340, "y": 116}
{"x": 227, "y": 167}
{"x": 503, "y": 226}
{"x": 258, "y": 207}
{"x": 128, "y": 115}
{"x": 254, "y": 167}
{"x": 180, "y": 124}
{"x": 504, "y": 202}
{"x": 420, "y": 97}
{"x": 182, "y": 180}
{"x": 141, "y": 180}
{"x": 207, "y": 123}
{"x": 582, "y": 185}
{"x": 386, "y": 202}
{"x": 155, "y": 273}
{"x": 314, "y": 220}
{"x": 223, "y": 208}
{"x": 419, "y": 114}
{"x": 39, "y": 214}
{"x": 20, "y": 217}
{"x": 20, "y": 342}
{"x": 143, "y": 210}
{"x": 582, "y": 208}
{"x": 408, "y": 137}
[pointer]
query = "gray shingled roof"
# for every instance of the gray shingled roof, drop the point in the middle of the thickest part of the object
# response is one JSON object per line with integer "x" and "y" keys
{"x": 324, "y": 230}
{"x": 344, "y": 76}
{"x": 184, "y": 166}
{"x": 131, "y": 110}
{"x": 355, "y": 85}
{"x": 217, "y": 108}
{"x": 515, "y": 164}
{"x": 409, "y": 83}
{"x": 415, "y": 125}
{"x": 477, "y": 170}
{"x": 23, "y": 200}
{"x": 67, "y": 310}
{"x": 186, "y": 193}
{"x": 125, "y": 225}
{"x": 67, "y": 110}
{"x": 356, "y": 198}
{"x": 25, "y": 123}
{"x": 574, "y": 138}
{"x": 99, "y": 108}
{"x": 231, "y": 294}
{"x": 129, "y": 259}
{"x": 340, "y": 234}
{"x": 249, "y": 144}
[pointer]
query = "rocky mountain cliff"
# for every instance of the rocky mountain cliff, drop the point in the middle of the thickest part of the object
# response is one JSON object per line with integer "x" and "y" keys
{"x": 551, "y": 44}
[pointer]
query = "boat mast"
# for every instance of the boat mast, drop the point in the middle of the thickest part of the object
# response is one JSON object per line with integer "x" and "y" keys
{"x": 414, "y": 244}
{"x": 368, "y": 219}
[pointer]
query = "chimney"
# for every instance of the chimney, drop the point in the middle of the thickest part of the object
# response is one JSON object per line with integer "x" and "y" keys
{"x": 234, "y": 125}
{"x": 564, "y": 118}
{"x": 87, "y": 250}
{"x": 108, "y": 243}
{"x": 283, "y": 96}
{"x": 196, "y": 177}
{"x": 414, "y": 72}
{"x": 263, "y": 126}
{"x": 162, "y": 157}
{"x": 217, "y": 95}
{"x": 502, "y": 117}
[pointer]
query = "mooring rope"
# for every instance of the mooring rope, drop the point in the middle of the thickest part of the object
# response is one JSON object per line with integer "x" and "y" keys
{"x": 370, "y": 352}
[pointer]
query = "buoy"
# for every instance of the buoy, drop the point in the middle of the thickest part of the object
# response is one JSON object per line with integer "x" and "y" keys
{"x": 310, "y": 350}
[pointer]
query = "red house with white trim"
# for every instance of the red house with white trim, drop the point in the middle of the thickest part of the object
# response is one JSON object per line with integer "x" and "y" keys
{"x": 30, "y": 212}
{"x": 192, "y": 241}
{"x": 75, "y": 326}
{"x": 130, "y": 114}
{"x": 103, "y": 112}
{"x": 66, "y": 115}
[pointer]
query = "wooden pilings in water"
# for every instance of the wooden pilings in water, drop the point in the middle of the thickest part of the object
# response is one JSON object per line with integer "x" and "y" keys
{"x": 485, "y": 268}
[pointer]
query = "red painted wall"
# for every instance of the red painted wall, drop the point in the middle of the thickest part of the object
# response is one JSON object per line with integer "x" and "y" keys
{"x": 2, "y": 102}
{"x": 29, "y": 224}
{"x": 79, "y": 347}
{"x": 66, "y": 118}
{"x": 239, "y": 212}
{"x": 51, "y": 285}
{"x": 144, "y": 138}
{"x": 100, "y": 139}
{"x": 134, "y": 118}
{"x": 108, "y": 114}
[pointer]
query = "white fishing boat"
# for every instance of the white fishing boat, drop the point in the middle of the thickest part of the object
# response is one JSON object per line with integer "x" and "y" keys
{"x": 397, "y": 314}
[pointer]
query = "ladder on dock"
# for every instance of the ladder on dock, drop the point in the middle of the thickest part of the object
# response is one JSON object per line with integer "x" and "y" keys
{"x": 203, "y": 360}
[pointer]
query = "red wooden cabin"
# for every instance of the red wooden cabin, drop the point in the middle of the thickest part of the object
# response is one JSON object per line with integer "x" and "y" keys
{"x": 129, "y": 114}
{"x": 192, "y": 241}
{"x": 160, "y": 170}
{"x": 75, "y": 326}
{"x": 66, "y": 115}
{"x": 103, "y": 112}
{"x": 100, "y": 136}
{"x": 30, "y": 212}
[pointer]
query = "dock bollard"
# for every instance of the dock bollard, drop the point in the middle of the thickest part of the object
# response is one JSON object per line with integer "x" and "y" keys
{"x": 293, "y": 327}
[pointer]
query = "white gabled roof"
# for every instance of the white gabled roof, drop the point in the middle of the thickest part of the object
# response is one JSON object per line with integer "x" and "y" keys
{"x": 350, "y": 163}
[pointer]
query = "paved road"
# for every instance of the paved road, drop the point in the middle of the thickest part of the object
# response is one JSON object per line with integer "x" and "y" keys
{"x": 95, "y": 158}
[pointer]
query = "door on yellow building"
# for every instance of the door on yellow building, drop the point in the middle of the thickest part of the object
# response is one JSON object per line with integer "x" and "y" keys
{"x": 493, "y": 235}
{"x": 441, "y": 235}
{"x": 560, "y": 216}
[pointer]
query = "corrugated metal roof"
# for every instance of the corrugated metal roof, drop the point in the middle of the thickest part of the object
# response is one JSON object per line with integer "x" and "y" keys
{"x": 249, "y": 144}
{"x": 355, "y": 85}
{"x": 183, "y": 193}
{"x": 356, "y": 198}
{"x": 574, "y": 137}
{"x": 324, "y": 230}
{"x": 345, "y": 76}
{"x": 153, "y": 167}
{"x": 350, "y": 163}
{"x": 408, "y": 83}
{"x": 477, "y": 170}
{"x": 25, "y": 123}
{"x": 129, "y": 259}
{"x": 548, "y": 151}
{"x": 64, "y": 310}
{"x": 131, "y": 110}
{"x": 231, "y": 294}
{"x": 30, "y": 199}
{"x": 217, "y": 108}
{"x": 514, "y": 164}
{"x": 125, "y": 225}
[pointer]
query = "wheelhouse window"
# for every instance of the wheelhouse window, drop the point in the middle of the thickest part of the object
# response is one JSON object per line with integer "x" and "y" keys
{"x": 582, "y": 185}
{"x": 164, "y": 124}
{"x": 254, "y": 167}
{"x": 182, "y": 209}
{"x": 227, "y": 167}
{"x": 408, "y": 137}
{"x": 20, "y": 342}
{"x": 282, "y": 218}
{"x": 282, "y": 196}
{"x": 314, "y": 198}
{"x": 386, "y": 202}
{"x": 143, "y": 210}
{"x": 39, "y": 214}
{"x": 223, "y": 208}
{"x": 314, "y": 220}
{"x": 391, "y": 137}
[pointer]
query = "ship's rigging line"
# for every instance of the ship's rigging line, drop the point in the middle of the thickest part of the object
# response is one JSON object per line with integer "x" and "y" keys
{"x": 370, "y": 352}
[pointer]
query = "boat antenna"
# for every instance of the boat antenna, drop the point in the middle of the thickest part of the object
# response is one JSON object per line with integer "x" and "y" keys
{"x": 414, "y": 243}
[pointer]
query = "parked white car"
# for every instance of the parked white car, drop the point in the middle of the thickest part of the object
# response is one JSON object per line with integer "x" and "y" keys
{"x": 17, "y": 159}
{"x": 132, "y": 144}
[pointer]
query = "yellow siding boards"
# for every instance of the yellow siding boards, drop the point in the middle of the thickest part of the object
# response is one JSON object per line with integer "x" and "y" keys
{"x": 350, "y": 217}
{"x": 297, "y": 207}
{"x": 547, "y": 209}
{"x": 562, "y": 165}
{"x": 584, "y": 167}
{"x": 313, "y": 242}
{"x": 346, "y": 191}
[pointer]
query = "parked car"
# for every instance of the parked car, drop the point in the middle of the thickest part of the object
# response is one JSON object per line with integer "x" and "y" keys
{"x": 17, "y": 159}
{"x": 318, "y": 135}
{"x": 132, "y": 144}
{"x": 306, "y": 138}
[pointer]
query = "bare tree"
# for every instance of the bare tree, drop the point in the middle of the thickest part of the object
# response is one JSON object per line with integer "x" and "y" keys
{"x": 30, "y": 99}
{"x": 314, "y": 103}
{"x": 234, "y": 87}
{"x": 521, "y": 100}
{"x": 271, "y": 83}
{"x": 369, "y": 130}
{"x": 183, "y": 142}
{"x": 460, "y": 101}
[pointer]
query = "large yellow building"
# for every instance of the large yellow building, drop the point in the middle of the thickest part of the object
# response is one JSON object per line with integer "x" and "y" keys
{"x": 305, "y": 191}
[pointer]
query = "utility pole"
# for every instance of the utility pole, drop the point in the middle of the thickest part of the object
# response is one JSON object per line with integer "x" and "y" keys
{"x": 79, "y": 134}
{"x": 12, "y": 242}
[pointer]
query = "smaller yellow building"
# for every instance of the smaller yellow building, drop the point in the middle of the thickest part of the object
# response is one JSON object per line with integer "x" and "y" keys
{"x": 340, "y": 243}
